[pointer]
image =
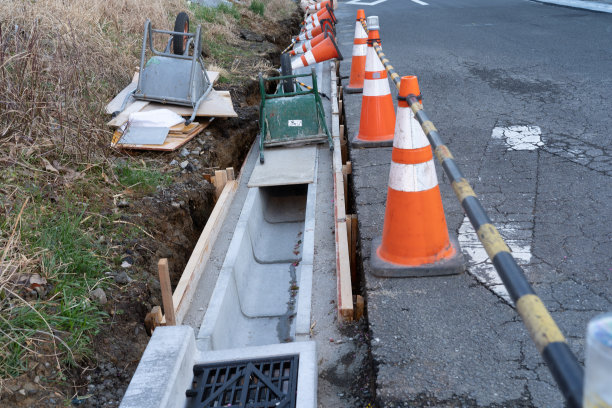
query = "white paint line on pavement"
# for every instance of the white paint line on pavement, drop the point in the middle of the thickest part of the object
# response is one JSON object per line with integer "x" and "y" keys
{"x": 422, "y": 3}
{"x": 519, "y": 137}
{"x": 362, "y": 3}
{"x": 581, "y": 4}
{"x": 479, "y": 264}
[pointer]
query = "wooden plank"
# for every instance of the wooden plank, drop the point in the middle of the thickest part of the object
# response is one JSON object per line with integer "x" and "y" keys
{"x": 220, "y": 181}
{"x": 230, "y": 173}
{"x": 347, "y": 168}
{"x": 117, "y": 101}
{"x": 166, "y": 291}
{"x": 339, "y": 202}
{"x": 120, "y": 119}
{"x": 173, "y": 142}
{"x": 340, "y": 106}
{"x": 201, "y": 254}
{"x": 217, "y": 104}
{"x": 343, "y": 274}
{"x": 353, "y": 242}
{"x": 153, "y": 319}
{"x": 349, "y": 234}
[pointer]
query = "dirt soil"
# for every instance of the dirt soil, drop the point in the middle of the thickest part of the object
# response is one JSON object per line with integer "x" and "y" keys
{"x": 173, "y": 219}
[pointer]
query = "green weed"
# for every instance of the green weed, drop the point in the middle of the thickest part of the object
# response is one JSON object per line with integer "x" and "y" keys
{"x": 257, "y": 7}
{"x": 213, "y": 14}
{"x": 62, "y": 321}
{"x": 141, "y": 179}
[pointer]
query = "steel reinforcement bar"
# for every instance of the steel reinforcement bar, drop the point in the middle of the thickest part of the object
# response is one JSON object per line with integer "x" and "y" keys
{"x": 544, "y": 332}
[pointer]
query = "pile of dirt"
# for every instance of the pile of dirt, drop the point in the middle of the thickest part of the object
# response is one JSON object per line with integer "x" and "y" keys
{"x": 167, "y": 224}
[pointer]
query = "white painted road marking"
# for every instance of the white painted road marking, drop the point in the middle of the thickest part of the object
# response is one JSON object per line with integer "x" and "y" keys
{"x": 361, "y": 3}
{"x": 479, "y": 264}
{"x": 519, "y": 137}
{"x": 422, "y": 3}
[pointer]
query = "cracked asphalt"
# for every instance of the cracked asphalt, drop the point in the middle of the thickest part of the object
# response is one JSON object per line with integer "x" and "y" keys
{"x": 454, "y": 341}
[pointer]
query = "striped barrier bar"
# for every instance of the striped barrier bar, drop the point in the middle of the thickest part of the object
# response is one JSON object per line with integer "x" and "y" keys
{"x": 543, "y": 330}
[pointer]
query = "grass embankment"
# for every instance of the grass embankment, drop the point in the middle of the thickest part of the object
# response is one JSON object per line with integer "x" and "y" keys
{"x": 60, "y": 63}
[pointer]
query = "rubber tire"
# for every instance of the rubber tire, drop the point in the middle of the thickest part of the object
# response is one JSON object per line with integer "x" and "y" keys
{"x": 286, "y": 70}
{"x": 181, "y": 25}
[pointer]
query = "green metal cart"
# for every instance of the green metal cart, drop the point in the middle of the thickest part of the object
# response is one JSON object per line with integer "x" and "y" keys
{"x": 287, "y": 118}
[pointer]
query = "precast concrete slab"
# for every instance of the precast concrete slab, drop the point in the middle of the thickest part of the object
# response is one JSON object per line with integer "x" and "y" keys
{"x": 263, "y": 292}
{"x": 284, "y": 166}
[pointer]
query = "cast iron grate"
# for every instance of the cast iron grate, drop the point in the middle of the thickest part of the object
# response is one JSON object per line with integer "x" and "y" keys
{"x": 256, "y": 383}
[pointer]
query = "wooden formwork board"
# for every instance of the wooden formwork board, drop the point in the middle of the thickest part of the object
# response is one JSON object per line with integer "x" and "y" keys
{"x": 343, "y": 250}
{"x": 183, "y": 293}
{"x": 343, "y": 277}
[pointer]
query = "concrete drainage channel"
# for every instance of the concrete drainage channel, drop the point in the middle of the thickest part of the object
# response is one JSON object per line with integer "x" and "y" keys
{"x": 253, "y": 341}
{"x": 258, "y": 297}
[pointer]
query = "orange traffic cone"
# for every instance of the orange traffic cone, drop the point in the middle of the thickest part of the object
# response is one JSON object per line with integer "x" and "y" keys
{"x": 318, "y": 6}
{"x": 415, "y": 239}
{"x": 359, "y": 56}
{"x": 301, "y": 48}
{"x": 326, "y": 25}
{"x": 315, "y": 19}
{"x": 377, "y": 121}
{"x": 325, "y": 50}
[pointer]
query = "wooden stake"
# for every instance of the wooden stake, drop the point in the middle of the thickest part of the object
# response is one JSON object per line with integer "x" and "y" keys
{"x": 353, "y": 242}
{"x": 220, "y": 181}
{"x": 359, "y": 306}
{"x": 349, "y": 236}
{"x": 166, "y": 291}
{"x": 230, "y": 173}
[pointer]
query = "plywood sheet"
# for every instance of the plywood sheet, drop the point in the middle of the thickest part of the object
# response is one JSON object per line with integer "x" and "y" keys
{"x": 217, "y": 104}
{"x": 284, "y": 166}
{"x": 117, "y": 101}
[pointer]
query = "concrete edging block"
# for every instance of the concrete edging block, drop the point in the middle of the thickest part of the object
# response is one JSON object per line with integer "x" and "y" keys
{"x": 170, "y": 354}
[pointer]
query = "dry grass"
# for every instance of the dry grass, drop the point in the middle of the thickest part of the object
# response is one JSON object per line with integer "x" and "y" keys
{"x": 57, "y": 70}
{"x": 61, "y": 61}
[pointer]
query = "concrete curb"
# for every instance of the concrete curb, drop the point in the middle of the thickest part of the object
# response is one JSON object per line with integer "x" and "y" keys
{"x": 579, "y": 4}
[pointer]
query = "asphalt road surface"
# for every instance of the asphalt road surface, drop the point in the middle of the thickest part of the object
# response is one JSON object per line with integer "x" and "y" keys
{"x": 521, "y": 92}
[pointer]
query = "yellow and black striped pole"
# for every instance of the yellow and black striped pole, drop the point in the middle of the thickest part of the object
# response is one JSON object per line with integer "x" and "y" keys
{"x": 544, "y": 332}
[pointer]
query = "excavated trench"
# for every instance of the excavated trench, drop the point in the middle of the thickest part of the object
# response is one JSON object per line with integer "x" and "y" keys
{"x": 174, "y": 218}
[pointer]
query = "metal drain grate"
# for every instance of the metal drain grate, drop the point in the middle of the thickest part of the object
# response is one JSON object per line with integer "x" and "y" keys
{"x": 256, "y": 383}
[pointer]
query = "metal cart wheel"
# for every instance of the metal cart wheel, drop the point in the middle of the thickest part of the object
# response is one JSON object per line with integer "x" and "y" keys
{"x": 181, "y": 25}
{"x": 286, "y": 70}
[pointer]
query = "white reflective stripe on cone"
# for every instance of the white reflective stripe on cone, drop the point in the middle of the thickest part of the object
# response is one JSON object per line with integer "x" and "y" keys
{"x": 359, "y": 50}
{"x": 310, "y": 58}
{"x": 298, "y": 63}
{"x": 408, "y": 132}
{"x": 413, "y": 177}
{"x": 372, "y": 61}
{"x": 376, "y": 87}
{"x": 359, "y": 31}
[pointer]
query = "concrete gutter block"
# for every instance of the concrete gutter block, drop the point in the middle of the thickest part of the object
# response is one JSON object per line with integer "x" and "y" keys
{"x": 165, "y": 370}
{"x": 302, "y": 318}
